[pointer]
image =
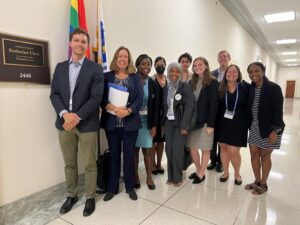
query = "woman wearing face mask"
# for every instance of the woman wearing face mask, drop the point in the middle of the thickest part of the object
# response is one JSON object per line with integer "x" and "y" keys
{"x": 205, "y": 89}
{"x": 185, "y": 61}
{"x": 159, "y": 139}
{"x": 266, "y": 125}
{"x": 149, "y": 118}
{"x": 177, "y": 112}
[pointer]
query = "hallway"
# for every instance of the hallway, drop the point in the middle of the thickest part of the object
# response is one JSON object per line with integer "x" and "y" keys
{"x": 211, "y": 202}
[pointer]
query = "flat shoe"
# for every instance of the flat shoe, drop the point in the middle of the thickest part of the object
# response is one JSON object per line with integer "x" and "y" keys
{"x": 154, "y": 172}
{"x": 132, "y": 195}
{"x": 252, "y": 186}
{"x": 223, "y": 179}
{"x": 211, "y": 166}
{"x": 108, "y": 196}
{"x": 219, "y": 168}
{"x": 238, "y": 182}
{"x": 151, "y": 186}
{"x": 198, "y": 180}
{"x": 260, "y": 189}
{"x": 137, "y": 186}
{"x": 89, "y": 207}
{"x": 193, "y": 176}
{"x": 68, "y": 204}
{"x": 160, "y": 171}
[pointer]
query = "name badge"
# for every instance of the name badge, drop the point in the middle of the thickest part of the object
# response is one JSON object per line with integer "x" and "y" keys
{"x": 229, "y": 114}
{"x": 143, "y": 112}
{"x": 171, "y": 117}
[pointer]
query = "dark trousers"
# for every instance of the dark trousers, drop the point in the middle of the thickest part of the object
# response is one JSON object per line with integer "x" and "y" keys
{"x": 175, "y": 143}
{"x": 119, "y": 139}
{"x": 215, "y": 154}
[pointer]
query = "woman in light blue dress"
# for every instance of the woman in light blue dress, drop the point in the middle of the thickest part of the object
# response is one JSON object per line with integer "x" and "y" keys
{"x": 149, "y": 119}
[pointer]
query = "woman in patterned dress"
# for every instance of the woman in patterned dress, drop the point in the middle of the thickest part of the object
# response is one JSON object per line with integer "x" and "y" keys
{"x": 266, "y": 125}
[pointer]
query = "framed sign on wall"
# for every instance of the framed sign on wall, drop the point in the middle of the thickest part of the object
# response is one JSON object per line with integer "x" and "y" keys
{"x": 23, "y": 59}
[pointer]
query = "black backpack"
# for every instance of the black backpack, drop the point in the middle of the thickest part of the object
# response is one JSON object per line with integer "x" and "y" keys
{"x": 103, "y": 171}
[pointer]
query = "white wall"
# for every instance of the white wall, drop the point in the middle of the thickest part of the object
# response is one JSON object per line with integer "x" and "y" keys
{"x": 172, "y": 27}
{"x": 289, "y": 73}
{"x": 30, "y": 158}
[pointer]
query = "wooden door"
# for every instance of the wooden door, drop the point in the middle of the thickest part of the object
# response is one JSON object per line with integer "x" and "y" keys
{"x": 290, "y": 88}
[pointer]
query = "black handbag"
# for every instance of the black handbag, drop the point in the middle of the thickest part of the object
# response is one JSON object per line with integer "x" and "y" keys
{"x": 187, "y": 159}
{"x": 102, "y": 168}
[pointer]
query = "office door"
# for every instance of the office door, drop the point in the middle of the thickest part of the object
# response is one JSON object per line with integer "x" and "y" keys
{"x": 290, "y": 89}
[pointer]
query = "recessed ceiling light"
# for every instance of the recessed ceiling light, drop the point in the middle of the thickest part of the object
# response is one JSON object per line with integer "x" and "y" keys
{"x": 280, "y": 17}
{"x": 286, "y": 41}
{"x": 289, "y": 53}
{"x": 292, "y": 64}
{"x": 291, "y": 60}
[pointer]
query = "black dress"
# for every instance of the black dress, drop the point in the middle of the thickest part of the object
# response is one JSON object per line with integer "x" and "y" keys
{"x": 159, "y": 137}
{"x": 233, "y": 131}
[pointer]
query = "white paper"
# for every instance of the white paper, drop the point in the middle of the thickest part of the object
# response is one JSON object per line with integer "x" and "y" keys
{"x": 117, "y": 98}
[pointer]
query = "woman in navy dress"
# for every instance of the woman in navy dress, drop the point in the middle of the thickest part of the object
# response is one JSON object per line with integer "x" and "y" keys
{"x": 232, "y": 126}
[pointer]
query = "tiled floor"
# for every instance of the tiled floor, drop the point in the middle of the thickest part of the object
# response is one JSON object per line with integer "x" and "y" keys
{"x": 211, "y": 202}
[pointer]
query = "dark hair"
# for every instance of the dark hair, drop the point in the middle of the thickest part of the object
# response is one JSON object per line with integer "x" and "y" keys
{"x": 79, "y": 31}
{"x": 158, "y": 58}
{"x": 263, "y": 68}
{"x": 223, "y": 85}
{"x": 206, "y": 75}
{"x": 185, "y": 55}
{"x": 141, "y": 58}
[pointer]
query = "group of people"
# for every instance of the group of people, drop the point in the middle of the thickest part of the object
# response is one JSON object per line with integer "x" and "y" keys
{"x": 186, "y": 110}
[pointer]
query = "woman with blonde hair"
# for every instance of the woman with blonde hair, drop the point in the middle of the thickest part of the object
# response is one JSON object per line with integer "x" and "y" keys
{"x": 121, "y": 124}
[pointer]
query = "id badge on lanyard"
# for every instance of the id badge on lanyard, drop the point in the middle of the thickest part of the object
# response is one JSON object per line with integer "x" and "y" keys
{"x": 230, "y": 114}
{"x": 143, "y": 111}
{"x": 171, "y": 116}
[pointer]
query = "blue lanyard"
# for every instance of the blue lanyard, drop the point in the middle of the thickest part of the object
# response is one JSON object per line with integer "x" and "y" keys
{"x": 236, "y": 99}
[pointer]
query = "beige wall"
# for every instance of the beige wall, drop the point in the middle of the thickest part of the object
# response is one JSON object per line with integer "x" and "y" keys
{"x": 30, "y": 159}
{"x": 289, "y": 73}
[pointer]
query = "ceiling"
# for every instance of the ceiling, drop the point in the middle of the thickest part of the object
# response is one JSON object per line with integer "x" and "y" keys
{"x": 250, "y": 14}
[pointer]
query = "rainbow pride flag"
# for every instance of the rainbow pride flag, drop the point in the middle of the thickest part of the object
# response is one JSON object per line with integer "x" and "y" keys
{"x": 78, "y": 19}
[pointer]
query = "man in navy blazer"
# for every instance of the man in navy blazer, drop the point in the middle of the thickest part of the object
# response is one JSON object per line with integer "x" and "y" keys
{"x": 76, "y": 94}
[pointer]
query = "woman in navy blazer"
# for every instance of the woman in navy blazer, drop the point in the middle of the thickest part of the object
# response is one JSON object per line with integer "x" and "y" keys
{"x": 124, "y": 125}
